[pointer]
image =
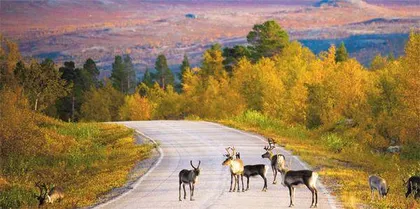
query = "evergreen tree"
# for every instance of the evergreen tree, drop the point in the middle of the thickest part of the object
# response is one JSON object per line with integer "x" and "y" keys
{"x": 92, "y": 73}
{"x": 341, "y": 54}
{"x": 130, "y": 79}
{"x": 118, "y": 74}
{"x": 184, "y": 66}
{"x": 66, "y": 106}
{"x": 233, "y": 55}
{"x": 267, "y": 39}
{"x": 147, "y": 78}
{"x": 164, "y": 75}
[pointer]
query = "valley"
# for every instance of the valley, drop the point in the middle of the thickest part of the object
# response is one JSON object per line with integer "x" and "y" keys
{"x": 77, "y": 30}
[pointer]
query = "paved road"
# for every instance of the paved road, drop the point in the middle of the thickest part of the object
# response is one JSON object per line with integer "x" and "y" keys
{"x": 182, "y": 141}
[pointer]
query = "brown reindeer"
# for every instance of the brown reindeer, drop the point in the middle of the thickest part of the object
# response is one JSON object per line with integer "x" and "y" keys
{"x": 277, "y": 160}
{"x": 49, "y": 194}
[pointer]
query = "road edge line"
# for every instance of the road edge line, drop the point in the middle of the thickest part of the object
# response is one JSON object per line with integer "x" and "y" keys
{"x": 137, "y": 183}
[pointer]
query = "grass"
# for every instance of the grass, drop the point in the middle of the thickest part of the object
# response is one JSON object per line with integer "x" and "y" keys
{"x": 343, "y": 163}
{"x": 86, "y": 159}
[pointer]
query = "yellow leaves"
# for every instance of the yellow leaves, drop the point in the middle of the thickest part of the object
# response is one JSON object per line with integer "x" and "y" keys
{"x": 135, "y": 108}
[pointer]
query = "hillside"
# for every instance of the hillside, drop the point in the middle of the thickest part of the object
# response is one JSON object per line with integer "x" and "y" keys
{"x": 86, "y": 159}
{"x": 104, "y": 28}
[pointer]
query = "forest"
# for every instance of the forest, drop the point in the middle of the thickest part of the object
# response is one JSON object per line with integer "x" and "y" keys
{"x": 272, "y": 82}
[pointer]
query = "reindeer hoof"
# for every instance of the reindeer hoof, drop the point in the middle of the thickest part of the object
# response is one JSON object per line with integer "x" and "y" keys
{"x": 230, "y": 190}
{"x": 180, "y": 199}
{"x": 291, "y": 205}
{"x": 274, "y": 182}
{"x": 192, "y": 199}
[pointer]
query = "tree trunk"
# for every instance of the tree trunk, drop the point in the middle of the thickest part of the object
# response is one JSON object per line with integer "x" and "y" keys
{"x": 36, "y": 104}
{"x": 72, "y": 109}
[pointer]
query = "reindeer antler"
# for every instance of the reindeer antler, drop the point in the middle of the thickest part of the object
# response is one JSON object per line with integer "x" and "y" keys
{"x": 230, "y": 154}
{"x": 271, "y": 145}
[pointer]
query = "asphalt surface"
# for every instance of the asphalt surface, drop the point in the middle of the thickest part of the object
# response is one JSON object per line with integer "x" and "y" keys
{"x": 182, "y": 141}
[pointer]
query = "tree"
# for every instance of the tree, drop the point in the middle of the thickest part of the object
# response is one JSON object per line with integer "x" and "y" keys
{"x": 42, "y": 83}
{"x": 130, "y": 79}
{"x": 267, "y": 39}
{"x": 91, "y": 74}
{"x": 212, "y": 64}
{"x": 66, "y": 106}
{"x": 341, "y": 54}
{"x": 102, "y": 104}
{"x": 184, "y": 66}
{"x": 118, "y": 74}
{"x": 9, "y": 57}
{"x": 135, "y": 107}
{"x": 164, "y": 75}
{"x": 409, "y": 90}
{"x": 233, "y": 55}
{"x": 147, "y": 78}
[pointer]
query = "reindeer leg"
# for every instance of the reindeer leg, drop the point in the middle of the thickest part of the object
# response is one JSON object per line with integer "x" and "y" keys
{"x": 247, "y": 183}
{"x": 290, "y": 195}
{"x": 192, "y": 191}
{"x": 313, "y": 194}
{"x": 242, "y": 179}
{"x": 185, "y": 193}
{"x": 275, "y": 174}
{"x": 191, "y": 199}
{"x": 239, "y": 186}
{"x": 265, "y": 183}
{"x": 180, "y": 191}
{"x": 316, "y": 197}
{"x": 231, "y": 182}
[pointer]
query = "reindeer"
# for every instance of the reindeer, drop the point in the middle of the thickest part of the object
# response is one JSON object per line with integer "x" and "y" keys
{"x": 413, "y": 186}
{"x": 253, "y": 170}
{"x": 291, "y": 178}
{"x": 49, "y": 194}
{"x": 236, "y": 168}
{"x": 277, "y": 160}
{"x": 378, "y": 183}
{"x": 189, "y": 177}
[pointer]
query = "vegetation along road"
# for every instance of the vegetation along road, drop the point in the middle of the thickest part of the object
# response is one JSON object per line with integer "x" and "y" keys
{"x": 182, "y": 141}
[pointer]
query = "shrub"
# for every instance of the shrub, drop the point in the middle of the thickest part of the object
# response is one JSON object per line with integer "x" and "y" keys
{"x": 334, "y": 143}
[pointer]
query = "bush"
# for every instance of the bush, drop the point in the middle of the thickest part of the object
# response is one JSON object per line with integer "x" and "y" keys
{"x": 334, "y": 143}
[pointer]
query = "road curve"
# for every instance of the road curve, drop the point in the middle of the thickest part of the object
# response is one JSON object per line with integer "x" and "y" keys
{"x": 182, "y": 141}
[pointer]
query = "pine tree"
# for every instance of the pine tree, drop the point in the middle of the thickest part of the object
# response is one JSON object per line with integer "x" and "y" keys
{"x": 164, "y": 75}
{"x": 130, "y": 79}
{"x": 147, "y": 78}
{"x": 267, "y": 39}
{"x": 118, "y": 74}
{"x": 92, "y": 73}
{"x": 184, "y": 66}
{"x": 341, "y": 54}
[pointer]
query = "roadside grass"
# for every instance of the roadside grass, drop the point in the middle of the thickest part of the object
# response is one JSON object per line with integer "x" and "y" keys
{"x": 344, "y": 164}
{"x": 86, "y": 159}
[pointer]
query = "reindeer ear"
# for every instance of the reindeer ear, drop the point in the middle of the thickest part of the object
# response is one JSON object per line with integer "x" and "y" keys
{"x": 199, "y": 163}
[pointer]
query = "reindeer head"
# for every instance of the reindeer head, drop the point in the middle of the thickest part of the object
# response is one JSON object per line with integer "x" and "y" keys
{"x": 229, "y": 156}
{"x": 268, "y": 149}
{"x": 43, "y": 192}
{"x": 196, "y": 169}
